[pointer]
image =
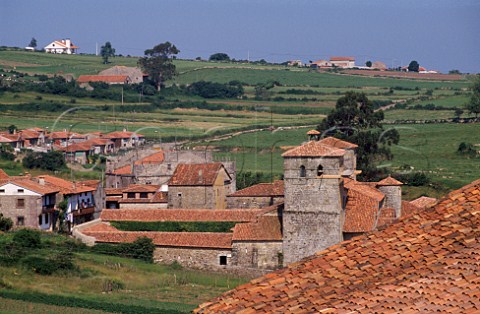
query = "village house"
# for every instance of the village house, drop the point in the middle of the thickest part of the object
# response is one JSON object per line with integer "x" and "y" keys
{"x": 13, "y": 140}
{"x": 342, "y": 62}
{"x": 424, "y": 263}
{"x": 83, "y": 152}
{"x": 135, "y": 74}
{"x": 27, "y": 203}
{"x": 199, "y": 186}
{"x": 125, "y": 139}
{"x": 80, "y": 198}
{"x": 142, "y": 196}
{"x": 61, "y": 46}
{"x": 33, "y": 137}
{"x": 64, "y": 138}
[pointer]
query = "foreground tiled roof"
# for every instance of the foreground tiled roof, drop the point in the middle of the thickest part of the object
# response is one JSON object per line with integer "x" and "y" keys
{"x": 314, "y": 149}
{"x": 173, "y": 239}
{"x": 424, "y": 202}
{"x": 426, "y": 262}
{"x": 236, "y": 215}
{"x": 335, "y": 142}
{"x": 262, "y": 189}
{"x": 266, "y": 228}
{"x": 195, "y": 174}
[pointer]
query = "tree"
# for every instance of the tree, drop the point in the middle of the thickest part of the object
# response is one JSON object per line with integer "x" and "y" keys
{"x": 158, "y": 63}
{"x": 219, "y": 57}
{"x": 12, "y": 129}
{"x": 473, "y": 106}
{"x": 454, "y": 72}
{"x": 413, "y": 66}
{"x": 5, "y": 223}
{"x": 33, "y": 43}
{"x": 107, "y": 51}
{"x": 458, "y": 112}
{"x": 368, "y": 63}
{"x": 354, "y": 120}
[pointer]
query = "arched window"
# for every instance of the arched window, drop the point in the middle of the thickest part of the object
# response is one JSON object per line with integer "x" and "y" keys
{"x": 319, "y": 170}
{"x": 302, "y": 172}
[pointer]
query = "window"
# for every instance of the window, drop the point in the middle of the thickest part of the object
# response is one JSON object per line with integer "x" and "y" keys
{"x": 20, "y": 221}
{"x": 2, "y": 191}
{"x": 40, "y": 220}
{"x": 130, "y": 195}
{"x": 20, "y": 190}
{"x": 179, "y": 194}
{"x": 302, "y": 172}
{"x": 223, "y": 260}
{"x": 143, "y": 195}
{"x": 319, "y": 170}
{"x": 20, "y": 203}
{"x": 169, "y": 166}
{"x": 46, "y": 219}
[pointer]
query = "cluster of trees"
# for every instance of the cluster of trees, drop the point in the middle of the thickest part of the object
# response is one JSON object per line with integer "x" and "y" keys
{"x": 233, "y": 89}
{"x": 473, "y": 106}
{"x": 354, "y": 120}
{"x": 158, "y": 63}
{"x": 52, "y": 160}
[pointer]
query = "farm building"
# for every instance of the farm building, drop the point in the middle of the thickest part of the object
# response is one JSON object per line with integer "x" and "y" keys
{"x": 61, "y": 46}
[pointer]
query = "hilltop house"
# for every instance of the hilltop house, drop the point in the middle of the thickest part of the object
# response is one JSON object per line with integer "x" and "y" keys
{"x": 61, "y": 46}
{"x": 343, "y": 62}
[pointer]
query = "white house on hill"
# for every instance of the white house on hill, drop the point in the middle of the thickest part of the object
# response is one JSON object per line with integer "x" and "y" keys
{"x": 61, "y": 46}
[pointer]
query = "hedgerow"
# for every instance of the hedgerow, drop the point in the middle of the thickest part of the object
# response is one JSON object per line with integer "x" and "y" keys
{"x": 175, "y": 226}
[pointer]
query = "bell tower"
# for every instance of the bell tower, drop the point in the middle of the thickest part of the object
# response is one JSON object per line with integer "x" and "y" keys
{"x": 313, "y": 215}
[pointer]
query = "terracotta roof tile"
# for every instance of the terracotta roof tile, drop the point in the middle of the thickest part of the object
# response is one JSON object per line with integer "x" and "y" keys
{"x": 196, "y": 174}
{"x": 342, "y": 59}
{"x": 101, "y": 227}
{"x": 123, "y": 170}
{"x": 158, "y": 197}
{"x": 103, "y": 78}
{"x": 262, "y": 189}
{"x": 313, "y": 132}
{"x": 426, "y": 262}
{"x": 361, "y": 210}
{"x": 153, "y": 159}
{"x": 3, "y": 175}
{"x": 408, "y": 209}
{"x": 123, "y": 134}
{"x": 65, "y": 186}
{"x": 113, "y": 191}
{"x": 31, "y": 185}
{"x": 266, "y": 228}
{"x": 141, "y": 188}
{"x": 424, "y": 202}
{"x": 314, "y": 149}
{"x": 235, "y": 215}
{"x": 176, "y": 239}
{"x": 29, "y": 134}
{"x": 335, "y": 142}
{"x": 389, "y": 181}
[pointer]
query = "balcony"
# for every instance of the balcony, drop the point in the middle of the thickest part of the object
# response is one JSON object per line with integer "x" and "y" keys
{"x": 48, "y": 208}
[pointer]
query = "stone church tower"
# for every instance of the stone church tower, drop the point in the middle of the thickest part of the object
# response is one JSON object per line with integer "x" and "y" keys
{"x": 313, "y": 216}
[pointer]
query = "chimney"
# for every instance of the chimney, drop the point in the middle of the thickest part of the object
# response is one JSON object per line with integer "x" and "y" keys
{"x": 124, "y": 129}
{"x": 68, "y": 43}
{"x": 41, "y": 180}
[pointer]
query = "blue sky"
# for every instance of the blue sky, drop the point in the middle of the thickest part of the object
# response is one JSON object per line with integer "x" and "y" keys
{"x": 439, "y": 34}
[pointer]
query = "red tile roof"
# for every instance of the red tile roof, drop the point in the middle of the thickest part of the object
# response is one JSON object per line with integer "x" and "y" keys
{"x": 314, "y": 149}
{"x": 424, "y": 202}
{"x": 141, "y": 188}
{"x": 122, "y": 79}
{"x": 113, "y": 191}
{"x": 77, "y": 147}
{"x": 157, "y": 197}
{"x": 342, "y": 59}
{"x": 313, "y": 132}
{"x": 266, "y": 228}
{"x": 235, "y": 215}
{"x": 31, "y": 185}
{"x": 335, "y": 142}
{"x": 174, "y": 239}
{"x": 65, "y": 186}
{"x": 123, "y": 170}
{"x": 262, "y": 189}
{"x": 361, "y": 210}
{"x": 101, "y": 227}
{"x": 3, "y": 175}
{"x": 409, "y": 209}
{"x": 389, "y": 181}
{"x": 29, "y": 134}
{"x": 153, "y": 159}
{"x": 427, "y": 262}
{"x": 364, "y": 188}
{"x": 196, "y": 174}
{"x": 123, "y": 134}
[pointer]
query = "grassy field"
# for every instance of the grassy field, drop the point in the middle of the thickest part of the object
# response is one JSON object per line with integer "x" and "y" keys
{"x": 109, "y": 284}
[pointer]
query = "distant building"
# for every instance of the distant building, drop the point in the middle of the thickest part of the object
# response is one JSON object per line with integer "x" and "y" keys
{"x": 342, "y": 62}
{"x": 61, "y": 46}
{"x": 84, "y": 80}
{"x": 295, "y": 63}
{"x": 134, "y": 74}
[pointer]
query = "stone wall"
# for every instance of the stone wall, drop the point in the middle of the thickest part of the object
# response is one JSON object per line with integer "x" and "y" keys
{"x": 257, "y": 254}
{"x": 393, "y": 198}
{"x": 199, "y": 258}
{"x": 252, "y": 201}
{"x": 191, "y": 197}
{"x": 30, "y": 211}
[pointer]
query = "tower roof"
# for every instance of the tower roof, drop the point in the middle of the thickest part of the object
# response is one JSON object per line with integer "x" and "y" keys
{"x": 313, "y": 132}
{"x": 389, "y": 181}
{"x": 314, "y": 149}
{"x": 335, "y": 142}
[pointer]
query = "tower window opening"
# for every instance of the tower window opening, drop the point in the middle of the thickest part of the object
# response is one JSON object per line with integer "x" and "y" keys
{"x": 303, "y": 172}
{"x": 319, "y": 170}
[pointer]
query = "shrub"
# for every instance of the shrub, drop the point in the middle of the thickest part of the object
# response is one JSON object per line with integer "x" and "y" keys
{"x": 466, "y": 149}
{"x": 49, "y": 161}
{"x": 413, "y": 179}
{"x": 5, "y": 223}
{"x": 59, "y": 262}
{"x": 27, "y": 238}
{"x": 142, "y": 249}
